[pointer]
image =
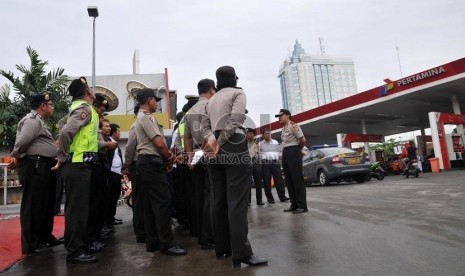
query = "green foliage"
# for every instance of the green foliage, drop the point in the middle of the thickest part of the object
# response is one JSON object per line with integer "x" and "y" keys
{"x": 34, "y": 80}
{"x": 386, "y": 147}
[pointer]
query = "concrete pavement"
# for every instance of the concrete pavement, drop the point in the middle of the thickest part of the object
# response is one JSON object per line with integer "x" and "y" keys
{"x": 397, "y": 226}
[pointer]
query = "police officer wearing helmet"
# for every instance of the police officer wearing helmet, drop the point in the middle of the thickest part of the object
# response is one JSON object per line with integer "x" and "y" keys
{"x": 152, "y": 162}
{"x": 34, "y": 155}
{"x": 293, "y": 140}
{"x": 229, "y": 168}
{"x": 77, "y": 152}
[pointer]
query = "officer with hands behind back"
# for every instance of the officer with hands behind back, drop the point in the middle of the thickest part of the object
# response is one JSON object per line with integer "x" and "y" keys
{"x": 293, "y": 140}
{"x": 34, "y": 155}
{"x": 153, "y": 161}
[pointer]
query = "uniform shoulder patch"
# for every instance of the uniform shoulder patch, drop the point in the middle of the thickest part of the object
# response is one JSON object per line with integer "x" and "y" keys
{"x": 83, "y": 115}
{"x": 296, "y": 127}
{"x": 152, "y": 119}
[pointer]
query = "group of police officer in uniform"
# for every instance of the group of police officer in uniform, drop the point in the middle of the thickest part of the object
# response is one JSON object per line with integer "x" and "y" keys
{"x": 222, "y": 173}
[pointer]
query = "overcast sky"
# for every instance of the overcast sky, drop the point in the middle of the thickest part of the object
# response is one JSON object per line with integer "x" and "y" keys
{"x": 192, "y": 38}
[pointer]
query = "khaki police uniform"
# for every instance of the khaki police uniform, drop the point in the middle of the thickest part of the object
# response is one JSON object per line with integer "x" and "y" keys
{"x": 200, "y": 178}
{"x": 292, "y": 165}
{"x": 230, "y": 171}
{"x": 36, "y": 151}
{"x": 153, "y": 184}
{"x": 77, "y": 151}
{"x": 130, "y": 160}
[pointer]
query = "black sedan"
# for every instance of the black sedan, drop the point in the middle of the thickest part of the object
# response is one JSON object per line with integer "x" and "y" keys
{"x": 335, "y": 164}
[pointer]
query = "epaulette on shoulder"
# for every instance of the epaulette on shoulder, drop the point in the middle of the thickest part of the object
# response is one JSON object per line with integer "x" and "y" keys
{"x": 147, "y": 113}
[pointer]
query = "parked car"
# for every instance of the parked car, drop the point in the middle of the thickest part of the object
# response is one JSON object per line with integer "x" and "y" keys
{"x": 335, "y": 164}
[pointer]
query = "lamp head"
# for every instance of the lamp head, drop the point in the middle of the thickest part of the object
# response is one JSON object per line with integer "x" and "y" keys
{"x": 93, "y": 11}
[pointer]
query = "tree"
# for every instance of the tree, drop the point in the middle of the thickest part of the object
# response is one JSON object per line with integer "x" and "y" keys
{"x": 386, "y": 147}
{"x": 35, "y": 80}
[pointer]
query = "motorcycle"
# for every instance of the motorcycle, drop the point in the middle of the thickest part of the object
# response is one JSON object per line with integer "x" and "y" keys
{"x": 412, "y": 169}
{"x": 377, "y": 171}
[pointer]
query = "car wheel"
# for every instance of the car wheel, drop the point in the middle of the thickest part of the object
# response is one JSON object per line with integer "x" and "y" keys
{"x": 323, "y": 178}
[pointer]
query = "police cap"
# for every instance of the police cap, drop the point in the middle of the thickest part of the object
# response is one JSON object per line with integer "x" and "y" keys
{"x": 39, "y": 99}
{"x": 147, "y": 92}
{"x": 282, "y": 112}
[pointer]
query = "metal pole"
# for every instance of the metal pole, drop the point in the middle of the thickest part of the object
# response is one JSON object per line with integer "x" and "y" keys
{"x": 93, "y": 57}
{"x": 167, "y": 96}
{"x": 5, "y": 188}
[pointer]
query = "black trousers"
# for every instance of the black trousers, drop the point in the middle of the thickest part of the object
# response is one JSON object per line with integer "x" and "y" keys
{"x": 98, "y": 194}
{"x": 292, "y": 165}
{"x": 273, "y": 169}
{"x": 230, "y": 173}
{"x": 137, "y": 204}
{"x": 183, "y": 191}
{"x": 257, "y": 180}
{"x": 113, "y": 194}
{"x": 78, "y": 179}
{"x": 154, "y": 186}
{"x": 38, "y": 202}
{"x": 202, "y": 185}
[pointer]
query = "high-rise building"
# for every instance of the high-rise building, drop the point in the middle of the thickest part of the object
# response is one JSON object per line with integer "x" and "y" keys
{"x": 309, "y": 81}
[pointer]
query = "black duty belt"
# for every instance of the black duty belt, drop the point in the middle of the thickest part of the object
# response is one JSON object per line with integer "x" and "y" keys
{"x": 39, "y": 158}
{"x": 291, "y": 147}
{"x": 238, "y": 130}
{"x": 151, "y": 159}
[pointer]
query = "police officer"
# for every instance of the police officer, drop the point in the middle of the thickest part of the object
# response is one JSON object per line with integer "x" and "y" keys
{"x": 193, "y": 141}
{"x": 77, "y": 151}
{"x": 152, "y": 163}
{"x": 99, "y": 186}
{"x": 34, "y": 155}
{"x": 186, "y": 191}
{"x": 229, "y": 168}
{"x": 293, "y": 140}
{"x": 130, "y": 160}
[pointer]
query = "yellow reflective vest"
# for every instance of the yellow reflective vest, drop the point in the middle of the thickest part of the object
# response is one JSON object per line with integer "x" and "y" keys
{"x": 84, "y": 147}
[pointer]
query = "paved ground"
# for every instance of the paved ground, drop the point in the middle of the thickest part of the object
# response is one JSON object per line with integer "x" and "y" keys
{"x": 396, "y": 226}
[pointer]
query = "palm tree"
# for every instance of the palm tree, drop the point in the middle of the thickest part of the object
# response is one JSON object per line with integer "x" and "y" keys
{"x": 35, "y": 80}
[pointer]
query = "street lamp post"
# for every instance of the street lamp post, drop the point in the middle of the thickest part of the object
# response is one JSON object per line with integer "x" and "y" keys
{"x": 93, "y": 12}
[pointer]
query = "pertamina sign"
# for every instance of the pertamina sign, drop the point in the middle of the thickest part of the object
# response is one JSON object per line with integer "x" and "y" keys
{"x": 421, "y": 76}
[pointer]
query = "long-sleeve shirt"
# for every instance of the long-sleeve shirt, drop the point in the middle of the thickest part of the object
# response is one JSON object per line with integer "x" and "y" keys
{"x": 33, "y": 138}
{"x": 130, "y": 154}
{"x": 78, "y": 118}
{"x": 193, "y": 126}
{"x": 225, "y": 112}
